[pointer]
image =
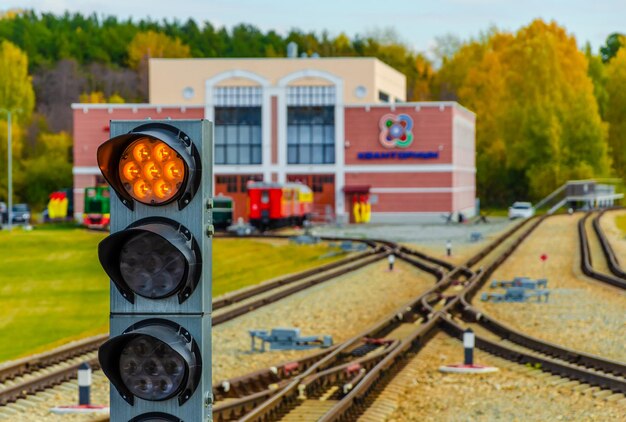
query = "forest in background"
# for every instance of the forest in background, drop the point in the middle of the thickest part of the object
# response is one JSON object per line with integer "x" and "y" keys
{"x": 547, "y": 111}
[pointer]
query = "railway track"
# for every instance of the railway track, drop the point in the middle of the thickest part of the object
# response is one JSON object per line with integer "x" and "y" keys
{"x": 586, "y": 261}
{"x": 343, "y": 365}
{"x": 341, "y": 382}
{"x": 410, "y": 327}
{"x": 35, "y": 373}
{"x": 328, "y": 398}
{"x": 609, "y": 253}
{"x": 30, "y": 375}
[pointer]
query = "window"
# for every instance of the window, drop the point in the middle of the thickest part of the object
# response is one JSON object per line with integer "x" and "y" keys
{"x": 237, "y": 135}
{"x": 383, "y": 96}
{"x": 311, "y": 135}
{"x": 229, "y": 181}
{"x": 319, "y": 181}
{"x": 243, "y": 181}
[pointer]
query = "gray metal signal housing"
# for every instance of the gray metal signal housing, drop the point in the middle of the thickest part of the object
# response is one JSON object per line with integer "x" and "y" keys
{"x": 194, "y": 314}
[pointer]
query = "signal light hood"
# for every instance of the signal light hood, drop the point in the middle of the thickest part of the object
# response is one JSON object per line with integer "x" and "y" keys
{"x": 110, "y": 156}
{"x": 174, "y": 336}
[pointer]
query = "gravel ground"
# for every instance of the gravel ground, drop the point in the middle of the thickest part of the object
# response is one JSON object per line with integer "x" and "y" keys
{"x": 615, "y": 235}
{"x": 582, "y": 314}
{"x": 429, "y": 238}
{"x": 515, "y": 393}
{"x": 37, "y": 408}
{"x": 341, "y": 308}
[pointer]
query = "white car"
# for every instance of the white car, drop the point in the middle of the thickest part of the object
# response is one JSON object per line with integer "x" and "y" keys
{"x": 521, "y": 210}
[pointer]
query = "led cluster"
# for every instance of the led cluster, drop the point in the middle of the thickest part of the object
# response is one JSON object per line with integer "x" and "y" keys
{"x": 151, "y": 369}
{"x": 151, "y": 171}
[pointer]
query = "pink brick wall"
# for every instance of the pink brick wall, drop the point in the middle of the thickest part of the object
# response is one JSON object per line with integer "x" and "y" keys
{"x": 92, "y": 128}
{"x": 432, "y": 132}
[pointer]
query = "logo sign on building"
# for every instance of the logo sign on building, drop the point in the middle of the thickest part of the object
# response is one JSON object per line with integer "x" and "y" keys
{"x": 396, "y": 130}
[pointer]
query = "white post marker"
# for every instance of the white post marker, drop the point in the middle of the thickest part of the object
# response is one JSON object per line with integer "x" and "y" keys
{"x": 468, "y": 367}
{"x": 469, "y": 340}
{"x": 84, "y": 384}
{"x": 84, "y": 393}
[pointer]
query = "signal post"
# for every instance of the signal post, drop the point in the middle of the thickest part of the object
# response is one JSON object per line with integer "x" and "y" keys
{"x": 158, "y": 258}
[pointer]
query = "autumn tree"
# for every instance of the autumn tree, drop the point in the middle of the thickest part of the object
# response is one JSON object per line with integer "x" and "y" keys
{"x": 538, "y": 122}
{"x": 16, "y": 93}
{"x": 57, "y": 88}
{"x": 597, "y": 72}
{"x": 616, "y": 110}
{"x": 16, "y": 89}
{"x": 49, "y": 169}
{"x": 152, "y": 44}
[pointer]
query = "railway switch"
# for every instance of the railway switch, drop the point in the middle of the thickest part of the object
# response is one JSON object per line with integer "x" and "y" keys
{"x": 158, "y": 258}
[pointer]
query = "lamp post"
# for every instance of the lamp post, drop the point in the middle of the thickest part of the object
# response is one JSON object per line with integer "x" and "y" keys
{"x": 10, "y": 165}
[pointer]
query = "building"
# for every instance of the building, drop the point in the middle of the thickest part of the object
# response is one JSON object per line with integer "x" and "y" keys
{"x": 340, "y": 125}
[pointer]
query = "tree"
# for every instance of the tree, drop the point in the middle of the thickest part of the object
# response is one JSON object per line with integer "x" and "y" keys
{"x": 48, "y": 170}
{"x": 613, "y": 43}
{"x": 16, "y": 89}
{"x": 152, "y": 44}
{"x": 616, "y": 110}
{"x": 57, "y": 88}
{"x": 538, "y": 121}
{"x": 93, "y": 97}
{"x": 597, "y": 73}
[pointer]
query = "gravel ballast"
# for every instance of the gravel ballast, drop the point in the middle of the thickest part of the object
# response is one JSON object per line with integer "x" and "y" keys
{"x": 342, "y": 308}
{"x": 581, "y": 313}
{"x": 514, "y": 393}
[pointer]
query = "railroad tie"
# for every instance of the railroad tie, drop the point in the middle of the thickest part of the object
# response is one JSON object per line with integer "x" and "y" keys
{"x": 615, "y": 397}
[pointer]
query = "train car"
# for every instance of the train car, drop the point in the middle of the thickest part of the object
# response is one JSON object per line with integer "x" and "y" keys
{"x": 97, "y": 211}
{"x": 222, "y": 212}
{"x": 272, "y": 205}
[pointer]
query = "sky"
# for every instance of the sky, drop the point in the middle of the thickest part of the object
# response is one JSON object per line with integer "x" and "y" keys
{"x": 418, "y": 22}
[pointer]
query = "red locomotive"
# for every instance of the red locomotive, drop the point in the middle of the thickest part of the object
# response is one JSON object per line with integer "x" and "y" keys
{"x": 272, "y": 205}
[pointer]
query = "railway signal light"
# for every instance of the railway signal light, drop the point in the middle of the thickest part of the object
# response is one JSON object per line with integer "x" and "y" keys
{"x": 158, "y": 357}
{"x": 154, "y": 164}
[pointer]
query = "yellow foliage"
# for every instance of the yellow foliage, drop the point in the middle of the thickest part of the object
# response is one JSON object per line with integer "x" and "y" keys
{"x": 616, "y": 109}
{"x": 11, "y": 13}
{"x": 97, "y": 97}
{"x": 421, "y": 85}
{"x": 16, "y": 88}
{"x": 116, "y": 99}
{"x": 94, "y": 97}
{"x": 153, "y": 44}
{"x": 535, "y": 106}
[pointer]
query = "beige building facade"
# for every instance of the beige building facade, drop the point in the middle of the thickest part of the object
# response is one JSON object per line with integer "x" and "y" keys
{"x": 365, "y": 80}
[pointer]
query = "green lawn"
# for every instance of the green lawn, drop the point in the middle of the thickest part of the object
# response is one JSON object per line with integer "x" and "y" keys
{"x": 52, "y": 288}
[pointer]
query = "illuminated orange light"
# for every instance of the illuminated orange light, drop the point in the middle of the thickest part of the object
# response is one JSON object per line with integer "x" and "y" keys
{"x": 141, "y": 189}
{"x": 131, "y": 171}
{"x": 141, "y": 152}
{"x": 151, "y": 171}
{"x": 173, "y": 170}
{"x": 162, "y": 189}
{"x": 162, "y": 152}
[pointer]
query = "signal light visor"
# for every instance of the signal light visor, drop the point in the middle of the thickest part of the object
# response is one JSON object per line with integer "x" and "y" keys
{"x": 154, "y": 164}
{"x": 154, "y": 258}
{"x": 153, "y": 360}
